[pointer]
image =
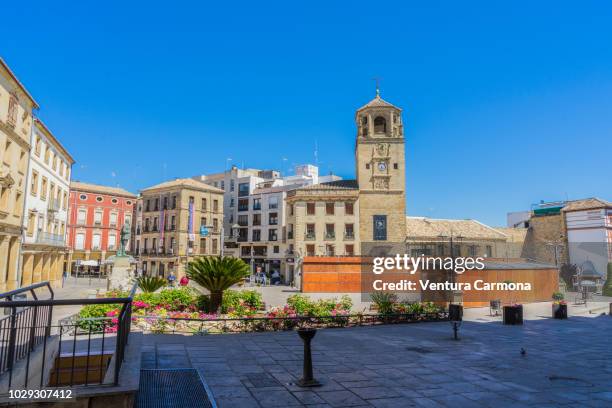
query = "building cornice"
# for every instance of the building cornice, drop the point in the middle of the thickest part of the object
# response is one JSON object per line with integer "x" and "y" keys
{"x": 18, "y": 83}
{"x": 43, "y": 128}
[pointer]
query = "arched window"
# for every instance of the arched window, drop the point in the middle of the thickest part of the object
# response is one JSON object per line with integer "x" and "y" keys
{"x": 380, "y": 125}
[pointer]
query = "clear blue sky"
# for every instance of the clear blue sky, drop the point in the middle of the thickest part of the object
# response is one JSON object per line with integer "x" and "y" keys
{"x": 504, "y": 103}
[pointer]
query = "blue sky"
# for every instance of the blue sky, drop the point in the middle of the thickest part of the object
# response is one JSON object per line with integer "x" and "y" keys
{"x": 504, "y": 104}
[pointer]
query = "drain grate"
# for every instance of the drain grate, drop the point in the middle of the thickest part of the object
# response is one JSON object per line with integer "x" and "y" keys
{"x": 180, "y": 388}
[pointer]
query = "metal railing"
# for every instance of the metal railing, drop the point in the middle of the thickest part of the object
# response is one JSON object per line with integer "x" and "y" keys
{"x": 23, "y": 328}
{"x": 48, "y": 238}
{"x": 54, "y": 205}
{"x": 29, "y": 325}
{"x": 161, "y": 325}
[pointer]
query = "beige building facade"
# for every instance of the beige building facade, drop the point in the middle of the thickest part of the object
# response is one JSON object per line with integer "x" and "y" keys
{"x": 323, "y": 219}
{"x": 16, "y": 106}
{"x": 181, "y": 219}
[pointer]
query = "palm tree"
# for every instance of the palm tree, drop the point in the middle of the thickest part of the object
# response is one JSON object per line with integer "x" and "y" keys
{"x": 217, "y": 274}
{"x": 150, "y": 284}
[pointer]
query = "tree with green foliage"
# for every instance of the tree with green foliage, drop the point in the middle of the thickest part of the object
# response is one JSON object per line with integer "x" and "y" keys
{"x": 150, "y": 284}
{"x": 607, "y": 289}
{"x": 217, "y": 274}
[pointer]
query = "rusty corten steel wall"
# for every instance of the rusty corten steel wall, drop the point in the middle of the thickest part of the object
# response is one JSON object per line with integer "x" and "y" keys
{"x": 344, "y": 275}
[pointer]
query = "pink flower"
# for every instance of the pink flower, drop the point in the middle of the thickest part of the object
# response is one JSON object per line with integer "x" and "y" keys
{"x": 139, "y": 304}
{"x": 112, "y": 313}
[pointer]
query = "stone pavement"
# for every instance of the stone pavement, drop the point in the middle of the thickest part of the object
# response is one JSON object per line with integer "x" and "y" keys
{"x": 566, "y": 363}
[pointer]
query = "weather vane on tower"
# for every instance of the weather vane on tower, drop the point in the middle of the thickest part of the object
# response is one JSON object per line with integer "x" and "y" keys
{"x": 377, "y": 79}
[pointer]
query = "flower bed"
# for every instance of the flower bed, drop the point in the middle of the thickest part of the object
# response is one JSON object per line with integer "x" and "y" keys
{"x": 214, "y": 324}
{"x": 183, "y": 310}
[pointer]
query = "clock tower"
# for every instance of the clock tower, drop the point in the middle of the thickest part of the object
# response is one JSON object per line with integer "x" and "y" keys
{"x": 380, "y": 161}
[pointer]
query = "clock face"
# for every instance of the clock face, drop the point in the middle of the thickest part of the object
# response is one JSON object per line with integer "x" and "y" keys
{"x": 382, "y": 166}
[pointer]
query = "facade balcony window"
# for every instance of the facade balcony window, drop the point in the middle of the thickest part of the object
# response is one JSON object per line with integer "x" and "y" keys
{"x": 47, "y": 238}
{"x": 154, "y": 229}
{"x": 349, "y": 236}
{"x": 260, "y": 251}
{"x": 54, "y": 205}
{"x": 290, "y": 235}
{"x": 146, "y": 228}
{"x": 330, "y": 235}
{"x": 310, "y": 236}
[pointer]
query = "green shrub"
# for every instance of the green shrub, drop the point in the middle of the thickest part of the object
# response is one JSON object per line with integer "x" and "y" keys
{"x": 385, "y": 302}
{"x": 95, "y": 311}
{"x": 233, "y": 299}
{"x": 301, "y": 304}
{"x": 177, "y": 299}
{"x": 558, "y": 296}
{"x": 346, "y": 302}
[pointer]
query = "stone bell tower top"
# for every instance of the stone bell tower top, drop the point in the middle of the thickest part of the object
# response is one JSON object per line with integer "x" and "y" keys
{"x": 380, "y": 170}
{"x": 379, "y": 119}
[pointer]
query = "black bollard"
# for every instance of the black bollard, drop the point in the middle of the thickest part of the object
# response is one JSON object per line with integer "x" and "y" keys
{"x": 455, "y": 315}
{"x": 307, "y": 379}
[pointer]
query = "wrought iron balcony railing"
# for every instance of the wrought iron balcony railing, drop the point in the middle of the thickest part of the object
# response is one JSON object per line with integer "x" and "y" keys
{"x": 48, "y": 238}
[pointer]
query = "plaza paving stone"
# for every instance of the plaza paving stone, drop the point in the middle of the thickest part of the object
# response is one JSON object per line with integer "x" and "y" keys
{"x": 566, "y": 364}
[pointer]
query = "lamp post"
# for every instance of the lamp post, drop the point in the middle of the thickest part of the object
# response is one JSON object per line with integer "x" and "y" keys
{"x": 456, "y": 294}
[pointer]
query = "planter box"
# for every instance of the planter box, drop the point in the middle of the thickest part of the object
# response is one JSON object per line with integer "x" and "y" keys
{"x": 559, "y": 311}
{"x": 513, "y": 314}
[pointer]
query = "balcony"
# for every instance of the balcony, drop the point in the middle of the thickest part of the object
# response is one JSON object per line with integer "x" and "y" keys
{"x": 310, "y": 236}
{"x": 46, "y": 238}
{"x": 349, "y": 236}
{"x": 330, "y": 235}
{"x": 53, "y": 206}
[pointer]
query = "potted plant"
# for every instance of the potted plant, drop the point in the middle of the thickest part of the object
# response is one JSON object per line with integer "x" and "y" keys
{"x": 559, "y": 309}
{"x": 559, "y": 306}
{"x": 513, "y": 314}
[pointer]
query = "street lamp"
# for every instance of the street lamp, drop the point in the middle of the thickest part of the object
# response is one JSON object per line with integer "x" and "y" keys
{"x": 456, "y": 294}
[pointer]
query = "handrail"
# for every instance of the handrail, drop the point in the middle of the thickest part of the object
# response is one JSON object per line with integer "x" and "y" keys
{"x": 30, "y": 289}
{"x": 64, "y": 302}
{"x": 24, "y": 332}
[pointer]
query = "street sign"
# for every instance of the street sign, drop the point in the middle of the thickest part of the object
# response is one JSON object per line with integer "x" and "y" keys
{"x": 203, "y": 231}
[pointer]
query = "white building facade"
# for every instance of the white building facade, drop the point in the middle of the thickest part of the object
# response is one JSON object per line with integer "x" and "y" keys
{"x": 589, "y": 234}
{"x": 255, "y": 214}
{"x": 46, "y": 208}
